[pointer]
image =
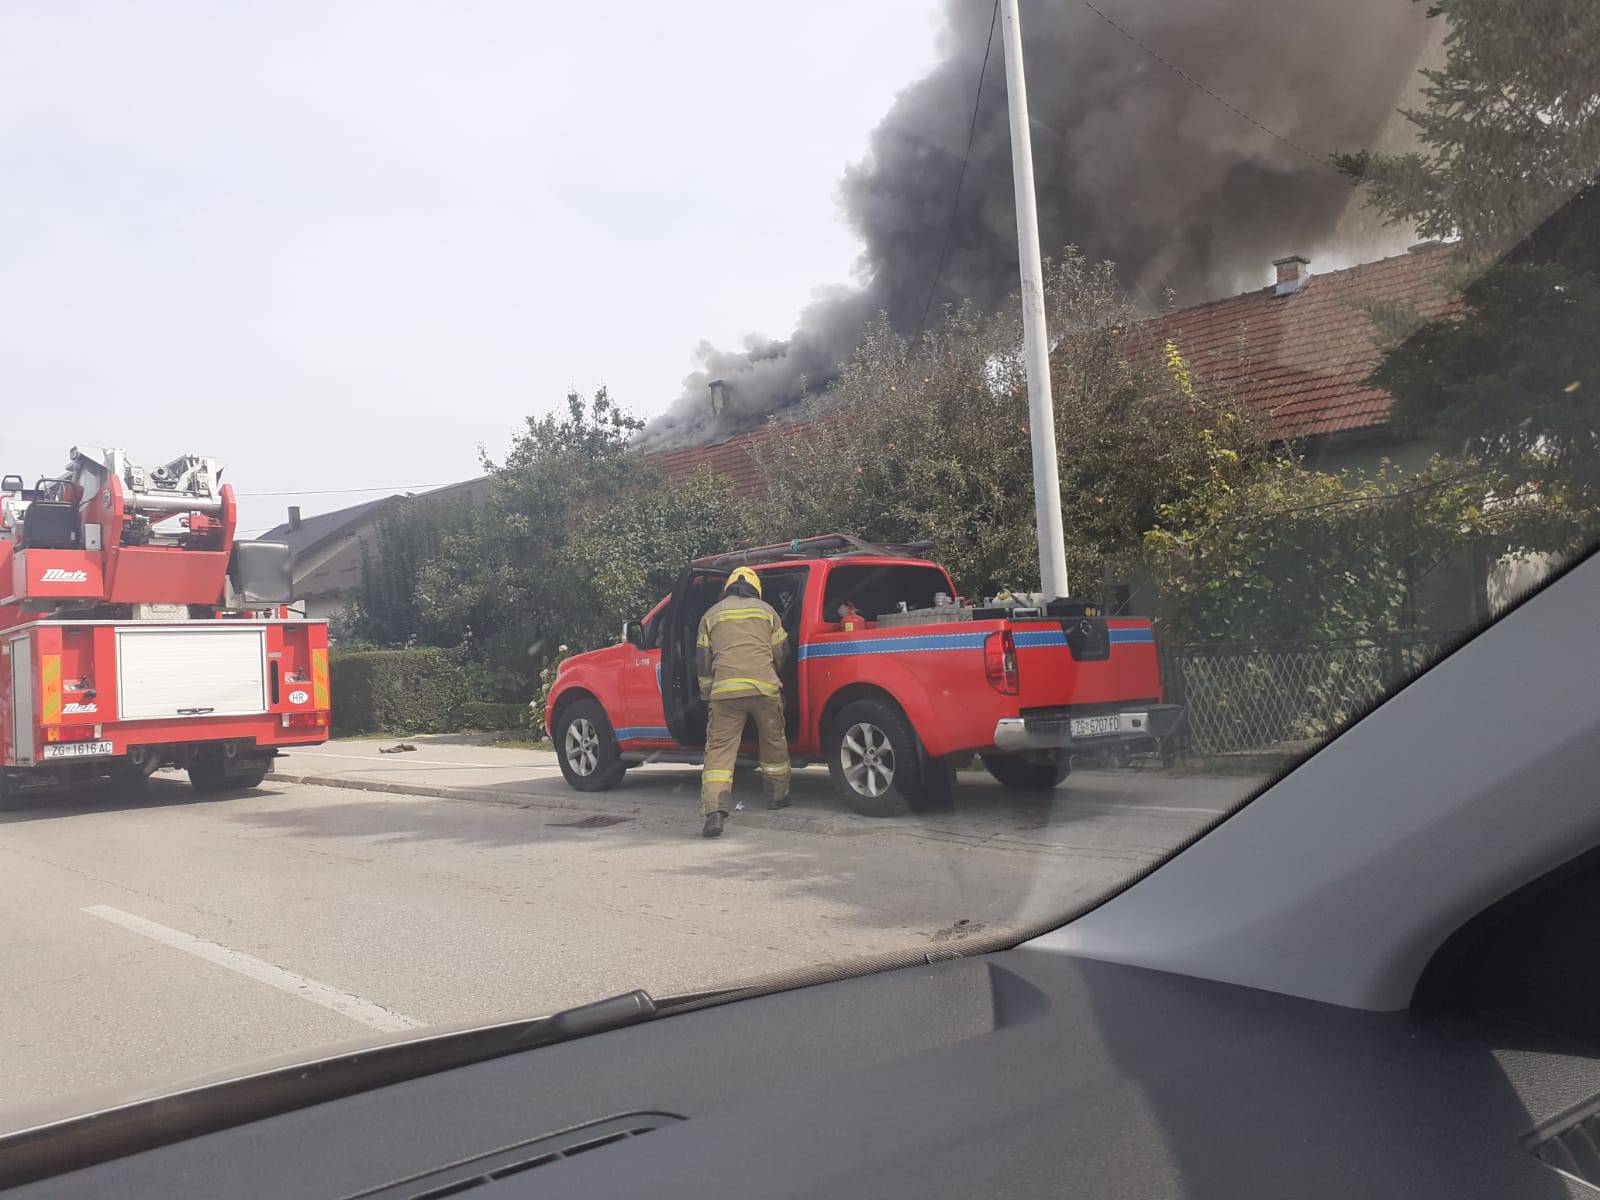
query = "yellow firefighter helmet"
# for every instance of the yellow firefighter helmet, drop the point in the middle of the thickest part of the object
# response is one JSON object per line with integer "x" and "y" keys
{"x": 744, "y": 575}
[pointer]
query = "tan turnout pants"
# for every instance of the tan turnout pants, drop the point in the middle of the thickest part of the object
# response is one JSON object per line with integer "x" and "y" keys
{"x": 724, "y": 732}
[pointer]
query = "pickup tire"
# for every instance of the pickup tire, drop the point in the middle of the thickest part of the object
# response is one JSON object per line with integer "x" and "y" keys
{"x": 1026, "y": 776}
{"x": 586, "y": 748}
{"x": 875, "y": 760}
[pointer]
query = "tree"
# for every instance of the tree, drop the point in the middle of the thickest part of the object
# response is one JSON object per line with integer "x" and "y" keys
{"x": 1511, "y": 130}
{"x": 931, "y": 440}
{"x": 411, "y": 532}
{"x": 1295, "y": 553}
{"x": 1510, "y": 125}
{"x": 578, "y": 534}
{"x": 1515, "y": 380}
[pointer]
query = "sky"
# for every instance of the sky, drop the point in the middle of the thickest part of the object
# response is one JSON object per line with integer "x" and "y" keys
{"x": 341, "y": 246}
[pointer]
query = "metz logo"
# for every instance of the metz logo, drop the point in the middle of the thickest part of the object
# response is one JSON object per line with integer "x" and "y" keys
{"x": 60, "y": 575}
{"x": 80, "y": 708}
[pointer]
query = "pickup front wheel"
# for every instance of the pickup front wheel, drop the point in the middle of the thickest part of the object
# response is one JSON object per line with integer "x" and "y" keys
{"x": 586, "y": 747}
{"x": 874, "y": 759}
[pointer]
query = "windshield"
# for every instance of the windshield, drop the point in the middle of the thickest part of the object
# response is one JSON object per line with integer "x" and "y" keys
{"x": 994, "y": 569}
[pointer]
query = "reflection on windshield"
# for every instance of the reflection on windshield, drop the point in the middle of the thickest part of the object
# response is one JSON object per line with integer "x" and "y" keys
{"x": 336, "y": 753}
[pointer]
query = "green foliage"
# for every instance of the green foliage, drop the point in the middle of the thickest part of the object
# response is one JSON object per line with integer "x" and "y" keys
{"x": 931, "y": 441}
{"x": 1510, "y": 127}
{"x": 492, "y": 715}
{"x": 412, "y": 531}
{"x": 533, "y": 719}
{"x": 1294, "y": 553}
{"x": 1511, "y": 135}
{"x": 579, "y": 533}
{"x": 422, "y": 690}
{"x": 1516, "y": 380}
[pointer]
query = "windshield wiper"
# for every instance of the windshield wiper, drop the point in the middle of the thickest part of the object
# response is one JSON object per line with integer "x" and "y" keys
{"x": 99, "y": 1136}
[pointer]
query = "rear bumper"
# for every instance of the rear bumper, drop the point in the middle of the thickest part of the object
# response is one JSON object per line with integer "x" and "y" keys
{"x": 1137, "y": 723}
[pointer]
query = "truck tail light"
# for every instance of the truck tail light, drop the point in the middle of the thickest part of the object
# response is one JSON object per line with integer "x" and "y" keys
{"x": 69, "y": 733}
{"x": 1000, "y": 662}
{"x": 305, "y": 720}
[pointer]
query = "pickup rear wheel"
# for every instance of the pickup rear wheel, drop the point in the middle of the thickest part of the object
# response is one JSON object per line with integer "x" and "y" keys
{"x": 1026, "y": 775}
{"x": 586, "y": 747}
{"x": 874, "y": 759}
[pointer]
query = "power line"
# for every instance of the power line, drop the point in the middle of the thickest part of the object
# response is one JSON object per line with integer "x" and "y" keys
{"x": 966, "y": 155}
{"x": 1233, "y": 108}
{"x": 399, "y": 487}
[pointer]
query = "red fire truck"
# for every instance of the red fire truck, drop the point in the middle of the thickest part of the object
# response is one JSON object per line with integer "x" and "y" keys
{"x": 892, "y": 682}
{"x": 135, "y": 633}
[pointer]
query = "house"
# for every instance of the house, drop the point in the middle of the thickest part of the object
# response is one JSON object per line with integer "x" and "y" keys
{"x": 1299, "y": 351}
{"x": 1309, "y": 342}
{"x": 326, "y": 550}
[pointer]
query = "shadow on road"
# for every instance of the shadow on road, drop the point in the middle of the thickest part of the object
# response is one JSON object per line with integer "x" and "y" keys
{"x": 861, "y": 883}
{"x": 107, "y": 795}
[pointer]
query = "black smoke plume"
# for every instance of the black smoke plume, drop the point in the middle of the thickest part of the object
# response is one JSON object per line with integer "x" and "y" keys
{"x": 1133, "y": 162}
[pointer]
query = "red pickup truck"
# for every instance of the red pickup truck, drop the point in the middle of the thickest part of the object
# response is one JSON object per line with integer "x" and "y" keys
{"x": 890, "y": 695}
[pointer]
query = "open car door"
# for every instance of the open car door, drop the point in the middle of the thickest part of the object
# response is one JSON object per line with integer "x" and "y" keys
{"x": 697, "y": 590}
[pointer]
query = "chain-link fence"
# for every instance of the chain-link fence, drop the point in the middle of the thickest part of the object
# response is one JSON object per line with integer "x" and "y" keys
{"x": 1261, "y": 696}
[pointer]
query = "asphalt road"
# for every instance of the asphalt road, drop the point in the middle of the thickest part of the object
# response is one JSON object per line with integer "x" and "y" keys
{"x": 148, "y": 937}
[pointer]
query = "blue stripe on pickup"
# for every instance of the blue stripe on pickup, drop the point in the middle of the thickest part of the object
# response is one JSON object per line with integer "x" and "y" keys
{"x": 894, "y": 645}
{"x": 1027, "y": 639}
{"x": 633, "y": 732}
{"x": 1039, "y": 637}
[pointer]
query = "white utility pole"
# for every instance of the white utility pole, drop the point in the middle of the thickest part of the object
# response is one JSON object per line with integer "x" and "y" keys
{"x": 1035, "y": 339}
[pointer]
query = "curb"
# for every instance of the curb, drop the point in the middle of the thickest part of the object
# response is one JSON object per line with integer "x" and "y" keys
{"x": 758, "y": 818}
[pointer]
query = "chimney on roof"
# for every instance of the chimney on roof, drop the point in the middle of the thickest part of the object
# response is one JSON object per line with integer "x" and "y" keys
{"x": 718, "y": 396}
{"x": 294, "y": 516}
{"x": 1292, "y": 273}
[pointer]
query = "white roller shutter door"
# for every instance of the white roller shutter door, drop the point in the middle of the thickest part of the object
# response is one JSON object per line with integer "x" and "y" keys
{"x": 167, "y": 672}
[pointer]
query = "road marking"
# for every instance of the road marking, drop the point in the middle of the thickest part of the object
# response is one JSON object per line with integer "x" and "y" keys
{"x": 363, "y": 1011}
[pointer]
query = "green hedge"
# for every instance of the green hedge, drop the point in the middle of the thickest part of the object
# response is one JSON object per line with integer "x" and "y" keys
{"x": 402, "y": 691}
{"x": 493, "y": 715}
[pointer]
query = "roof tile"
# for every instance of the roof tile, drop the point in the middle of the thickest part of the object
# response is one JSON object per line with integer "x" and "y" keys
{"x": 1306, "y": 355}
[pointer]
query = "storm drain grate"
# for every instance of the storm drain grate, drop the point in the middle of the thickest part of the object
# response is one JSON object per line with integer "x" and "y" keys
{"x": 595, "y": 822}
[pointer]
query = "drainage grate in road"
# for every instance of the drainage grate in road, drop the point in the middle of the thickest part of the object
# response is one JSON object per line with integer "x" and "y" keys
{"x": 595, "y": 822}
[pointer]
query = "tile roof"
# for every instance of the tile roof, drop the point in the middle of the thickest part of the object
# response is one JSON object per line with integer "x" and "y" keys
{"x": 731, "y": 458}
{"x": 1306, "y": 356}
{"x": 1305, "y": 360}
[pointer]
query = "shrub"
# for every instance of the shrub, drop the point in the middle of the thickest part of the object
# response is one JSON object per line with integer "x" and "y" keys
{"x": 421, "y": 690}
{"x": 492, "y": 715}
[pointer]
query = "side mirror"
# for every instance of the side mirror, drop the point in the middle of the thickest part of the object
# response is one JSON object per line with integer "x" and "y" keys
{"x": 11, "y": 483}
{"x": 632, "y": 633}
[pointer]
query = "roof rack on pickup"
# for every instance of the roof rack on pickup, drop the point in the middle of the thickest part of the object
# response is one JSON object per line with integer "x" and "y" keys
{"x": 828, "y": 545}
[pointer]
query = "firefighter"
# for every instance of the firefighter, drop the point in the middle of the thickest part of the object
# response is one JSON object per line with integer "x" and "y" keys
{"x": 741, "y": 649}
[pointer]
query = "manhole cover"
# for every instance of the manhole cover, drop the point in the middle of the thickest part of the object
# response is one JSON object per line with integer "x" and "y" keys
{"x": 596, "y": 822}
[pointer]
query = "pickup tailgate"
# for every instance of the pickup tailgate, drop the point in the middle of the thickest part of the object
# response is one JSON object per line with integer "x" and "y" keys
{"x": 1073, "y": 661}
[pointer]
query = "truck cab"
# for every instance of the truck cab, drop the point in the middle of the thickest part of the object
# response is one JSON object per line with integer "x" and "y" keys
{"x": 891, "y": 681}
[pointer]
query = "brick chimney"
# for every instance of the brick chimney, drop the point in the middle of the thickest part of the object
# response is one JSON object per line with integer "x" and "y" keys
{"x": 1292, "y": 273}
{"x": 294, "y": 516}
{"x": 718, "y": 396}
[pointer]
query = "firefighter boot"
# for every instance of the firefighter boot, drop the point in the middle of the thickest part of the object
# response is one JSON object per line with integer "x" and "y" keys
{"x": 713, "y": 826}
